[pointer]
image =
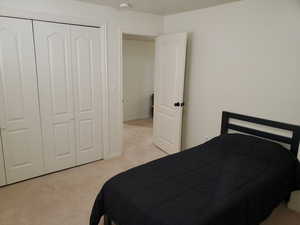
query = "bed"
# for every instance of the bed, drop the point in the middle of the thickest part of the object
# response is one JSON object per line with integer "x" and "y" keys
{"x": 233, "y": 179}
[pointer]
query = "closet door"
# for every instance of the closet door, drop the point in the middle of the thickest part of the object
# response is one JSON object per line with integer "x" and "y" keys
{"x": 20, "y": 122}
{"x": 53, "y": 52}
{"x": 86, "y": 62}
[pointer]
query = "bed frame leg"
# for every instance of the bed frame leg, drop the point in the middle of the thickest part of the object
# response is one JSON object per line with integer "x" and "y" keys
{"x": 107, "y": 220}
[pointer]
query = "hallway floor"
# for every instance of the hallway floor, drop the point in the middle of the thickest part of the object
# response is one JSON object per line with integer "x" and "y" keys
{"x": 66, "y": 197}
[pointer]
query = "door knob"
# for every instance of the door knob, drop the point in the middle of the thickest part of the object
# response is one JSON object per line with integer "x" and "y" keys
{"x": 178, "y": 104}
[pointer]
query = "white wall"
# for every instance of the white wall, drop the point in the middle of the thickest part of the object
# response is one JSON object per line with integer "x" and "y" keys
{"x": 138, "y": 69}
{"x": 243, "y": 57}
{"x": 91, "y": 14}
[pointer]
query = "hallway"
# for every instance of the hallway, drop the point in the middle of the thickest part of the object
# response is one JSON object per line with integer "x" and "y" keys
{"x": 138, "y": 141}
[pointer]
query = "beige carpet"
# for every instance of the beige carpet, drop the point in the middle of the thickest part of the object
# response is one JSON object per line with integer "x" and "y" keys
{"x": 66, "y": 197}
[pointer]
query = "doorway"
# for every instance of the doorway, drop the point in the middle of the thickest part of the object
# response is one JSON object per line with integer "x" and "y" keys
{"x": 153, "y": 101}
{"x": 138, "y": 77}
{"x": 138, "y": 94}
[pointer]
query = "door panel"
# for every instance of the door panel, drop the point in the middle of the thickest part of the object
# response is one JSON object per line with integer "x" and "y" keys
{"x": 87, "y": 71}
{"x": 169, "y": 85}
{"x": 53, "y": 51}
{"x": 20, "y": 122}
{"x": 58, "y": 73}
{"x": 62, "y": 140}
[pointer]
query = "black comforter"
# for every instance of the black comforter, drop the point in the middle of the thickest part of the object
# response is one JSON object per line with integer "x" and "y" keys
{"x": 231, "y": 180}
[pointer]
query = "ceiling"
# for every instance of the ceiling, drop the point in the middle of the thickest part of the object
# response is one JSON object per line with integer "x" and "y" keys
{"x": 162, "y": 7}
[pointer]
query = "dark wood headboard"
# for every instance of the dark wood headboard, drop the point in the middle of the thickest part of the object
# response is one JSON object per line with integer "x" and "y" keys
{"x": 293, "y": 141}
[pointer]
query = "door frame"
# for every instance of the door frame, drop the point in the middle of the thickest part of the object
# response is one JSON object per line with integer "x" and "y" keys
{"x": 121, "y": 78}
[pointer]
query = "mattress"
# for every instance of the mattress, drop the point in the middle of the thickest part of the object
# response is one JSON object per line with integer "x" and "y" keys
{"x": 233, "y": 179}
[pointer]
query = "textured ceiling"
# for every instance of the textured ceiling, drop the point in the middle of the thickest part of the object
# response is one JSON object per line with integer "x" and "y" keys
{"x": 162, "y": 7}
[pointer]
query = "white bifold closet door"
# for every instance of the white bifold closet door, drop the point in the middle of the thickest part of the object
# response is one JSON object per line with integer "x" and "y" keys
{"x": 20, "y": 121}
{"x": 86, "y": 67}
{"x": 68, "y": 62}
{"x": 53, "y": 57}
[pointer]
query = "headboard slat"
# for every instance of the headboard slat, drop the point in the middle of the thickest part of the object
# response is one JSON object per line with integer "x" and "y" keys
{"x": 292, "y": 141}
{"x": 263, "y": 134}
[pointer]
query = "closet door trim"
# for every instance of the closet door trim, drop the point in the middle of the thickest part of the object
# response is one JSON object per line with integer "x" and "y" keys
{"x": 2, "y": 165}
{"x": 105, "y": 107}
{"x": 49, "y": 21}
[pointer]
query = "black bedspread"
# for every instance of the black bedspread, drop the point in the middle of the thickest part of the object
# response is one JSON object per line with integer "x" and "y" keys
{"x": 230, "y": 180}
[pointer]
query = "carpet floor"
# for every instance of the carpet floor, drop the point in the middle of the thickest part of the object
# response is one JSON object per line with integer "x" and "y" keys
{"x": 66, "y": 197}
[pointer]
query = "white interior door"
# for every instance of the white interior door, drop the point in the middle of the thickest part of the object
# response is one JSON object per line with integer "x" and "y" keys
{"x": 20, "y": 121}
{"x": 86, "y": 62}
{"x": 53, "y": 52}
{"x": 169, "y": 85}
